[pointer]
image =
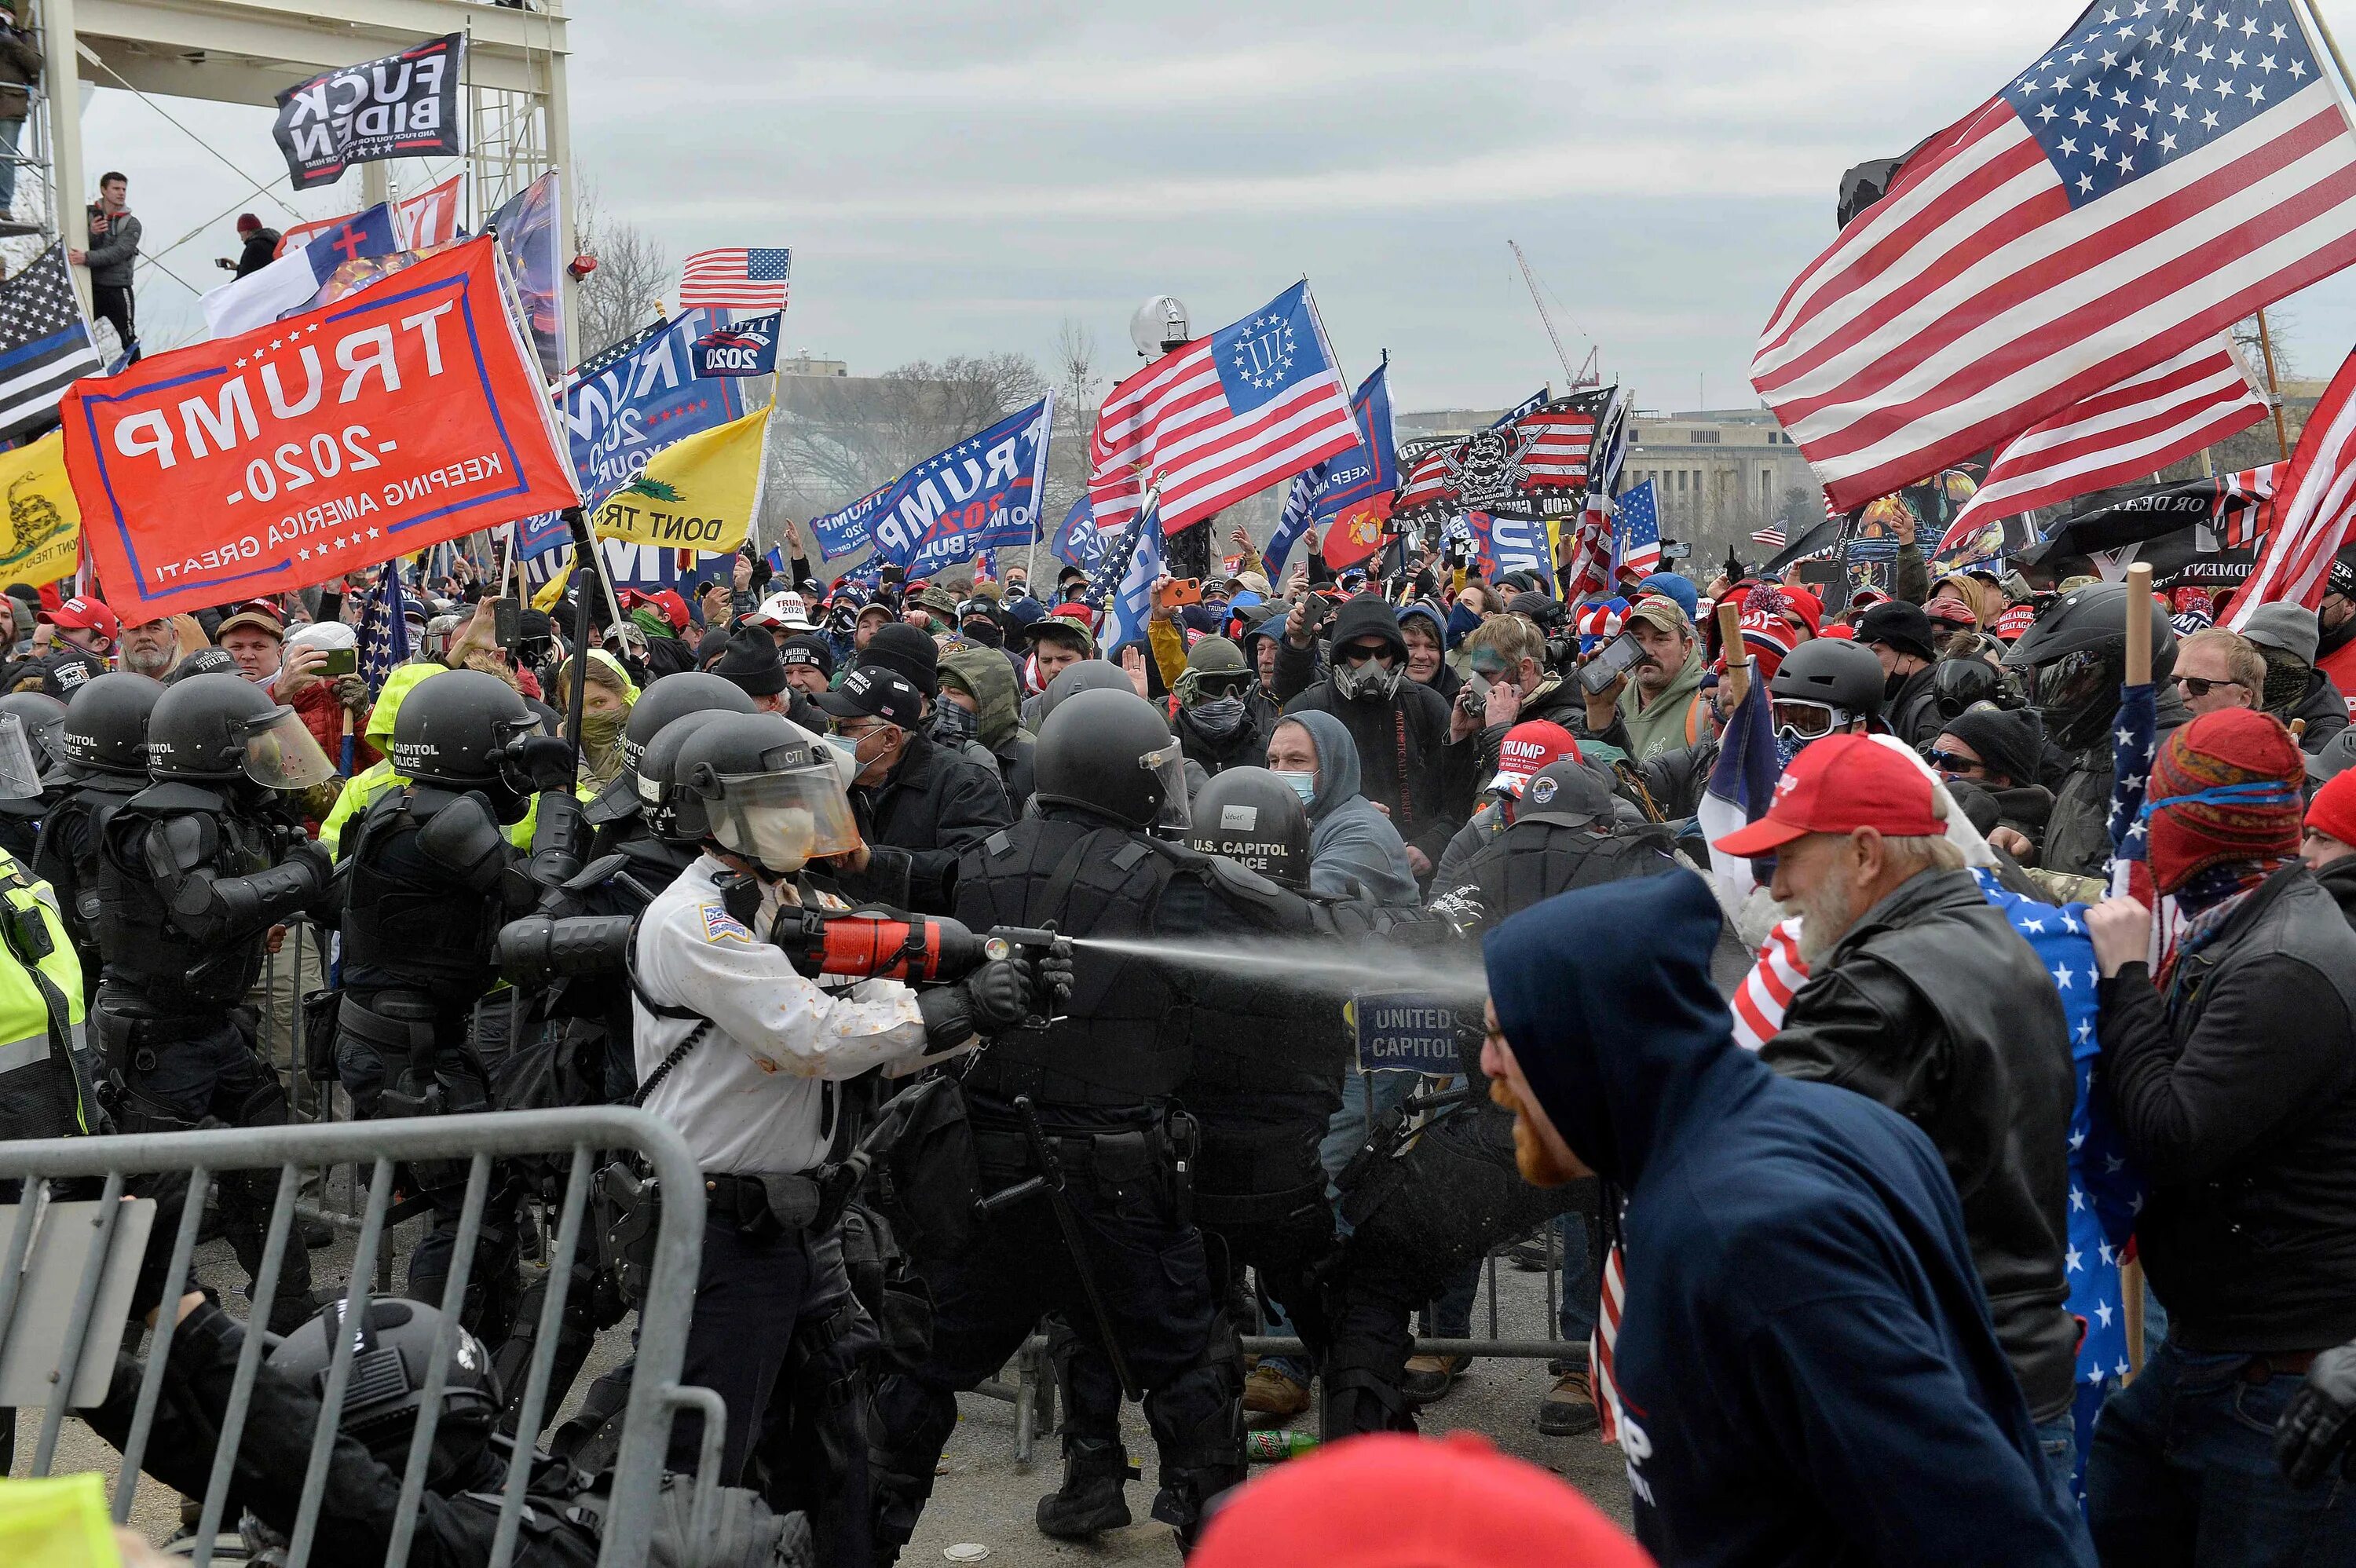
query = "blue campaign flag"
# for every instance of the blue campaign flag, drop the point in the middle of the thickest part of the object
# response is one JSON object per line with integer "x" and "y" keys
{"x": 749, "y": 347}
{"x": 1636, "y": 532}
{"x": 1742, "y": 782}
{"x": 1500, "y": 545}
{"x": 537, "y": 536}
{"x": 1370, "y": 469}
{"x": 1122, "y": 589}
{"x": 1078, "y": 541}
{"x": 638, "y": 397}
{"x": 1300, "y": 512}
{"x": 979, "y": 495}
{"x": 1528, "y": 405}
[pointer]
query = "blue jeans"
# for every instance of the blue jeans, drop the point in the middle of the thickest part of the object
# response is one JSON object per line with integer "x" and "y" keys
{"x": 2183, "y": 1472}
{"x": 2058, "y": 1440}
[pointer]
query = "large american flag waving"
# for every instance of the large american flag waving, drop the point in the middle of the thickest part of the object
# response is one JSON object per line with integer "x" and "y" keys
{"x": 2165, "y": 168}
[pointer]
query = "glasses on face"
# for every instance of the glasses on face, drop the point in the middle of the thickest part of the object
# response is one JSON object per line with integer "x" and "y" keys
{"x": 1953, "y": 765}
{"x": 1359, "y": 653}
{"x": 1213, "y": 687}
{"x": 2195, "y": 685}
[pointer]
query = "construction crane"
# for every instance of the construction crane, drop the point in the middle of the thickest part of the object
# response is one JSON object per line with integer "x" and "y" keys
{"x": 1585, "y": 375}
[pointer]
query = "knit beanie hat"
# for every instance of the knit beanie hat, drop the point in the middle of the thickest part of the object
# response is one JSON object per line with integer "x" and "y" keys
{"x": 2224, "y": 791}
{"x": 2008, "y": 740}
{"x": 2332, "y": 812}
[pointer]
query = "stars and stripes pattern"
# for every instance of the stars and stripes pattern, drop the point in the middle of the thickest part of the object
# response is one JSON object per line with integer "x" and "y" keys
{"x": 1769, "y": 538}
{"x": 2115, "y": 437}
{"x": 2167, "y": 167}
{"x": 1636, "y": 532}
{"x": 383, "y": 634}
{"x": 735, "y": 279}
{"x": 1121, "y": 591}
{"x": 2241, "y": 510}
{"x": 1603, "y": 1345}
{"x": 2315, "y": 499}
{"x": 1222, "y": 418}
{"x": 44, "y": 344}
{"x": 1561, "y": 441}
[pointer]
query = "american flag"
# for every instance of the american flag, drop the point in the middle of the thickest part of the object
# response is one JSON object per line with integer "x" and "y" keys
{"x": 1222, "y": 418}
{"x": 2315, "y": 496}
{"x": 735, "y": 279}
{"x": 2242, "y": 510}
{"x": 1636, "y": 532}
{"x": 44, "y": 344}
{"x": 2139, "y": 427}
{"x": 1769, "y": 538}
{"x": 382, "y": 639}
{"x": 1563, "y": 438}
{"x": 2135, "y": 742}
{"x": 2161, "y": 173}
{"x": 1121, "y": 591}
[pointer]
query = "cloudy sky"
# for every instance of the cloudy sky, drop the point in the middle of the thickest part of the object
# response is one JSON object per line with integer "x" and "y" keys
{"x": 962, "y": 175}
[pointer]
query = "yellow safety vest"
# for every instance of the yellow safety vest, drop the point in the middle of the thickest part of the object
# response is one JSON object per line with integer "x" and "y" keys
{"x": 41, "y": 979}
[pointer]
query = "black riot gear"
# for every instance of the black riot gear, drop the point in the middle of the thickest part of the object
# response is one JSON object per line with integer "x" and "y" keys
{"x": 393, "y": 1353}
{"x": 2077, "y": 649}
{"x": 1110, "y": 752}
{"x": 1830, "y": 670}
{"x": 659, "y": 705}
{"x": 104, "y": 728}
{"x": 216, "y": 728}
{"x": 454, "y": 731}
{"x": 1256, "y": 819}
{"x": 660, "y": 795}
{"x": 1088, "y": 674}
{"x": 41, "y": 715}
{"x": 1958, "y": 683}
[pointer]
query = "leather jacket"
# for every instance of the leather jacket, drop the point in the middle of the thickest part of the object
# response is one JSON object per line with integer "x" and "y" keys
{"x": 1933, "y": 1005}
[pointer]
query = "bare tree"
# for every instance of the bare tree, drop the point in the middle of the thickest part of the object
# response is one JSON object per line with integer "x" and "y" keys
{"x": 625, "y": 293}
{"x": 1076, "y": 421}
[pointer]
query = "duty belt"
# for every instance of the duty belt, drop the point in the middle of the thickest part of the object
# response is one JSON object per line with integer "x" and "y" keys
{"x": 778, "y": 1204}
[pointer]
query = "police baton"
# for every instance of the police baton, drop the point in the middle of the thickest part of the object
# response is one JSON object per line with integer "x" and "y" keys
{"x": 1050, "y": 1180}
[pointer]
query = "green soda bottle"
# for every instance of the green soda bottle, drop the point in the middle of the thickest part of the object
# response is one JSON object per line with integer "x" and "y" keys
{"x": 1267, "y": 1447}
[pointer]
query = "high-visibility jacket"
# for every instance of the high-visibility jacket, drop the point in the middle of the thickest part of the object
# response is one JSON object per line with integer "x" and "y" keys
{"x": 42, "y": 1090}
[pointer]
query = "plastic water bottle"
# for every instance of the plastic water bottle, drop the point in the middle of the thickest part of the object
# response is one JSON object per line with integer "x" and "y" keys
{"x": 1267, "y": 1447}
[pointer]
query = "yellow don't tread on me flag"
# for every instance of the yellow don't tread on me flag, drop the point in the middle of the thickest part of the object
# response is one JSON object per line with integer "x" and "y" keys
{"x": 698, "y": 494}
{"x": 41, "y": 540}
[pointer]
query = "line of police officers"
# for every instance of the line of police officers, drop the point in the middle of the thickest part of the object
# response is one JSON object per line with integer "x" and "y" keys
{"x": 1139, "y": 1130}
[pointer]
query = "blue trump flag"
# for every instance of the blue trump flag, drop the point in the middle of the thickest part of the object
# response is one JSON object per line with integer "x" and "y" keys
{"x": 1348, "y": 479}
{"x": 1528, "y": 405}
{"x": 1078, "y": 541}
{"x": 749, "y": 347}
{"x": 638, "y": 397}
{"x": 1122, "y": 589}
{"x": 979, "y": 495}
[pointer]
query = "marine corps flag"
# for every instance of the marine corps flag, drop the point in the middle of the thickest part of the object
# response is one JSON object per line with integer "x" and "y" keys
{"x": 698, "y": 494}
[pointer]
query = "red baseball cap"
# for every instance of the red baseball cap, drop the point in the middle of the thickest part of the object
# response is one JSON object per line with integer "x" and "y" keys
{"x": 2015, "y": 621}
{"x": 1390, "y": 1500}
{"x": 84, "y": 614}
{"x": 1527, "y": 747}
{"x": 1838, "y": 785}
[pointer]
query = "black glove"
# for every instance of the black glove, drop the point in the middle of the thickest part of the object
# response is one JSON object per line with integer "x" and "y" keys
{"x": 543, "y": 762}
{"x": 1051, "y": 976}
{"x": 1000, "y": 992}
{"x": 2313, "y": 1433}
{"x": 313, "y": 856}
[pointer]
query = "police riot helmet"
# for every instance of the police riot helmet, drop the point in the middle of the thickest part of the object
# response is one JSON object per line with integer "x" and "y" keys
{"x": 104, "y": 728}
{"x": 761, "y": 786}
{"x": 216, "y": 728}
{"x": 673, "y": 696}
{"x": 2078, "y": 650}
{"x": 392, "y": 1355}
{"x": 1252, "y": 817}
{"x": 40, "y": 714}
{"x": 451, "y": 730}
{"x": 1111, "y": 753}
{"x": 1087, "y": 675}
{"x": 671, "y": 814}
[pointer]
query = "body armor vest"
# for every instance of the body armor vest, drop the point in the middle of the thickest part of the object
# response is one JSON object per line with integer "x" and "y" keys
{"x": 141, "y": 946}
{"x": 67, "y": 857}
{"x": 410, "y": 924}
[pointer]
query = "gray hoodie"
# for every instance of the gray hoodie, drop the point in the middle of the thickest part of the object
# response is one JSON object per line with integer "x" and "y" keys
{"x": 1348, "y": 838}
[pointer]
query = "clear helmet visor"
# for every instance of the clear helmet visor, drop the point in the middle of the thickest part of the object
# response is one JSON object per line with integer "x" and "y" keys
{"x": 1169, "y": 765}
{"x": 20, "y": 774}
{"x": 281, "y": 753}
{"x": 784, "y": 819}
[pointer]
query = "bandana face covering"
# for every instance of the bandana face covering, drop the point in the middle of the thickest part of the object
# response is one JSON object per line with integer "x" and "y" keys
{"x": 1219, "y": 717}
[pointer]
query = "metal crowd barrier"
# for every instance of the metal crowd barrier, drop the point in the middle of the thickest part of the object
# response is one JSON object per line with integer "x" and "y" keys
{"x": 585, "y": 1133}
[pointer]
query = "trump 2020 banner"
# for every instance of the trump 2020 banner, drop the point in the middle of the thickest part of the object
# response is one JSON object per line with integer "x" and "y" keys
{"x": 402, "y": 106}
{"x": 403, "y": 417}
{"x": 632, "y": 400}
{"x": 747, "y": 349}
{"x": 979, "y": 495}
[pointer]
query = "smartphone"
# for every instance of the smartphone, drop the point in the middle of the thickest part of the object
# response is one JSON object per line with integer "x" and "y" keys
{"x": 339, "y": 661}
{"x": 1173, "y": 592}
{"x": 1474, "y": 697}
{"x": 1613, "y": 660}
{"x": 507, "y": 621}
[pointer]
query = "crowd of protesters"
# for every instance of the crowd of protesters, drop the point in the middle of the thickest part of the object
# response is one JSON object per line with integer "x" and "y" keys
{"x": 1813, "y": 1136}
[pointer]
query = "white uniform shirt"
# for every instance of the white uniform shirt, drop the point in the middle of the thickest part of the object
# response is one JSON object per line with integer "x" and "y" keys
{"x": 750, "y": 1096}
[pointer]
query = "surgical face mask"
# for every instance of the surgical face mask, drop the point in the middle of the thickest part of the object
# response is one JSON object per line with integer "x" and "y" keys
{"x": 1217, "y": 717}
{"x": 953, "y": 724}
{"x": 1304, "y": 785}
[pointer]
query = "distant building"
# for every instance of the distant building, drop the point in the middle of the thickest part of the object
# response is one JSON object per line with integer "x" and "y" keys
{"x": 1718, "y": 472}
{"x": 802, "y": 364}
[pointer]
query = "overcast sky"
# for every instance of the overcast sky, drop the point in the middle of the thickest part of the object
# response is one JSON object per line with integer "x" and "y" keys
{"x": 960, "y": 175}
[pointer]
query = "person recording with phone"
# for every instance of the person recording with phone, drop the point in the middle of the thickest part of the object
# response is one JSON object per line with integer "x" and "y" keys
{"x": 1521, "y": 684}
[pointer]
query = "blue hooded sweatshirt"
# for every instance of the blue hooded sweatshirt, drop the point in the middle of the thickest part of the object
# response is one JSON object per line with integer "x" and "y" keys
{"x": 1804, "y": 1361}
{"x": 1348, "y": 838}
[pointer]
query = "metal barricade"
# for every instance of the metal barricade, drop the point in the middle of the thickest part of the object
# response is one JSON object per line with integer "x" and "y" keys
{"x": 584, "y": 1133}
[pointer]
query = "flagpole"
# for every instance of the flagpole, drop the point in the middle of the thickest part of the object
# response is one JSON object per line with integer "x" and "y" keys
{"x": 2274, "y": 391}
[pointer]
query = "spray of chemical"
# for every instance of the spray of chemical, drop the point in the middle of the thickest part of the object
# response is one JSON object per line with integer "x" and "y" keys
{"x": 1454, "y": 971}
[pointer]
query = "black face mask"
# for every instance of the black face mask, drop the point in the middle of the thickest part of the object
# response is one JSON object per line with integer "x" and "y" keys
{"x": 983, "y": 632}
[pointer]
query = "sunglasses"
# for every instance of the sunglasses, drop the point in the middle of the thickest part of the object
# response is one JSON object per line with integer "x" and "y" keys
{"x": 1359, "y": 653}
{"x": 2194, "y": 686}
{"x": 1954, "y": 766}
{"x": 1217, "y": 686}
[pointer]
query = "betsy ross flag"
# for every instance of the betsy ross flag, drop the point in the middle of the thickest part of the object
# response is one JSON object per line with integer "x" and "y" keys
{"x": 2315, "y": 496}
{"x": 44, "y": 344}
{"x": 1222, "y": 418}
{"x": 735, "y": 279}
{"x": 1635, "y": 532}
{"x": 2115, "y": 437}
{"x": 2160, "y": 173}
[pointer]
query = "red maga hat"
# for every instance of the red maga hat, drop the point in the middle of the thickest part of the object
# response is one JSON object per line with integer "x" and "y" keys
{"x": 1838, "y": 785}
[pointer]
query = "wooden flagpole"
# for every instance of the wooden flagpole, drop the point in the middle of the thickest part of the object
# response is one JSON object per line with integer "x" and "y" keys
{"x": 2274, "y": 391}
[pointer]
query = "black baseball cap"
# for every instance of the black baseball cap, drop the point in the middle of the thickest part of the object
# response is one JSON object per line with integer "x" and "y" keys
{"x": 1902, "y": 625}
{"x": 870, "y": 691}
